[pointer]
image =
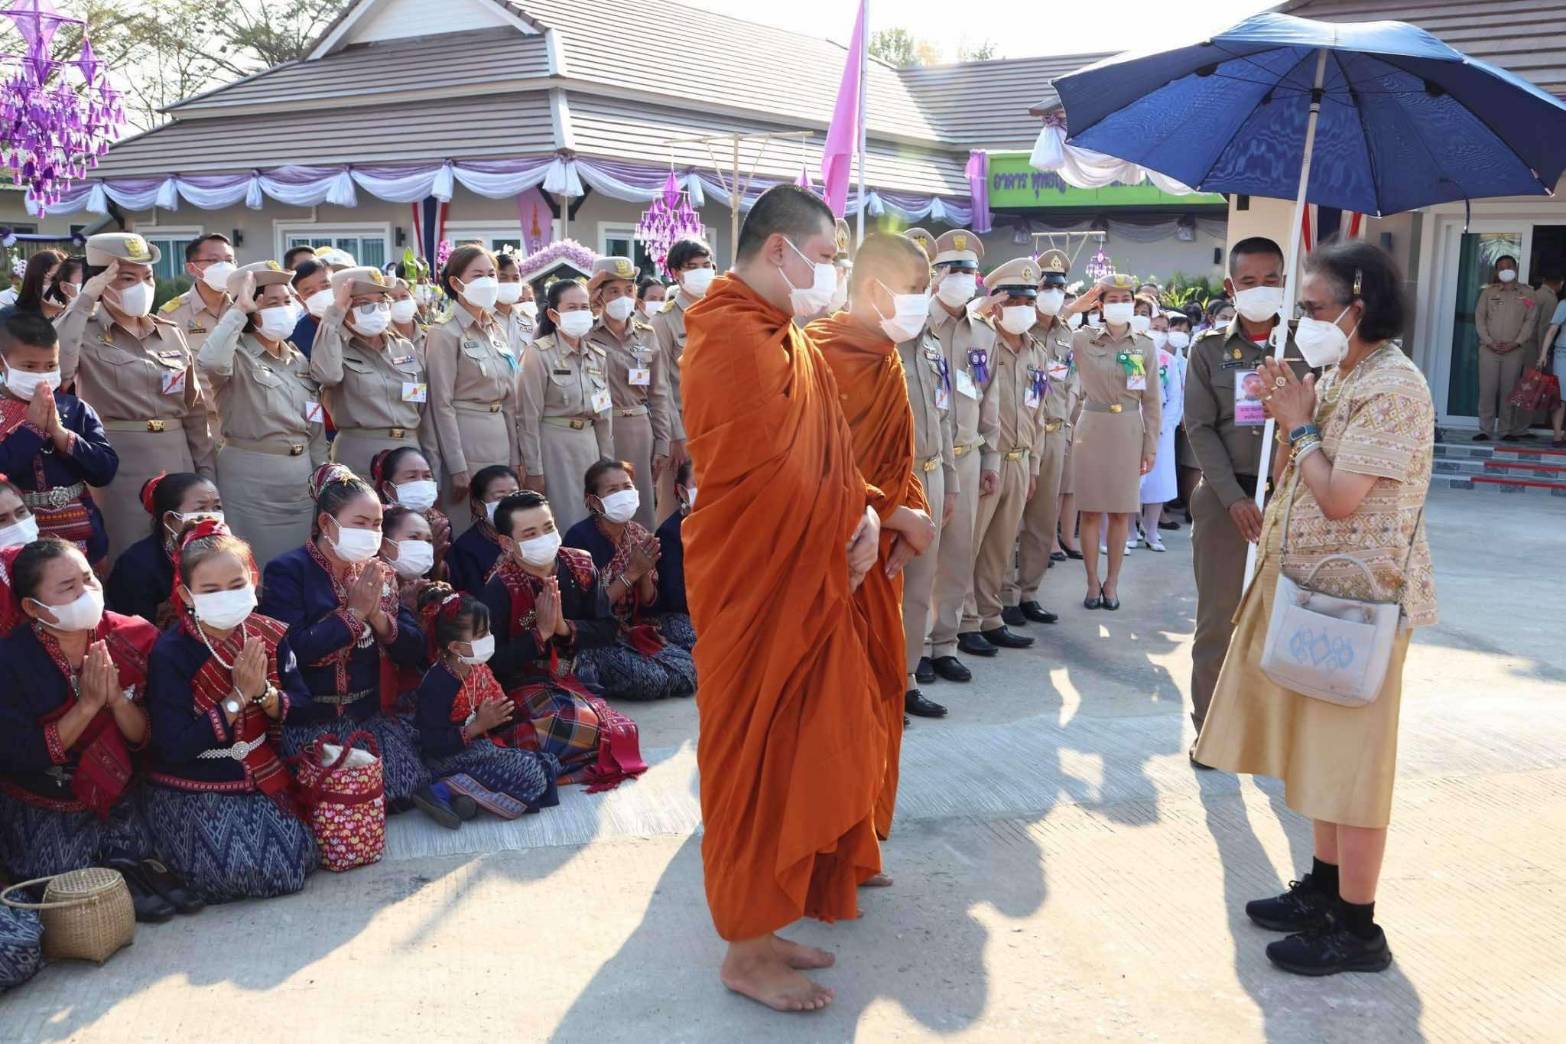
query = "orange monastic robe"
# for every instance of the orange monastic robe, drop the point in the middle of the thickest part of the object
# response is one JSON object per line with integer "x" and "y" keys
{"x": 874, "y": 397}
{"x": 786, "y": 698}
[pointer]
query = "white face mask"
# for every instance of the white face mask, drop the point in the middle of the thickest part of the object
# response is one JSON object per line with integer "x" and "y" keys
{"x": 695, "y": 281}
{"x": 356, "y": 545}
{"x": 539, "y": 550}
{"x": 1160, "y": 338}
{"x": 528, "y": 308}
{"x": 509, "y": 293}
{"x": 136, "y": 300}
{"x": 1259, "y": 303}
{"x": 1507, "y": 275}
{"x": 489, "y": 510}
{"x": 19, "y": 534}
{"x": 839, "y": 297}
{"x": 24, "y": 383}
{"x": 1140, "y": 323}
{"x": 82, "y": 614}
{"x": 621, "y": 505}
{"x": 482, "y": 293}
{"x": 216, "y": 275}
{"x": 1179, "y": 340}
{"x": 1322, "y": 343}
{"x": 224, "y": 610}
{"x": 909, "y": 312}
{"x": 1075, "y": 320}
{"x": 1017, "y": 319}
{"x": 690, "y": 497}
{"x": 404, "y": 310}
{"x": 1050, "y": 302}
{"x": 483, "y": 649}
{"x": 372, "y": 323}
{"x": 275, "y": 323}
{"x": 317, "y": 303}
{"x": 817, "y": 297}
{"x": 575, "y": 324}
{"x": 414, "y": 558}
{"x": 418, "y": 495}
{"x": 1120, "y": 313}
{"x": 957, "y": 288}
{"x": 650, "y": 308}
{"x": 620, "y": 308}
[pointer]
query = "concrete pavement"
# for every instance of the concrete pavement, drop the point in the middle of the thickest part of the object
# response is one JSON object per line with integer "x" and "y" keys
{"x": 1062, "y": 873}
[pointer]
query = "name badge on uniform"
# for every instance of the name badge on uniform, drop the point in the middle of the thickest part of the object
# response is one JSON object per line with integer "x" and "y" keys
{"x": 1030, "y": 397}
{"x": 943, "y": 398}
{"x": 173, "y": 382}
{"x": 1136, "y": 382}
{"x": 601, "y": 401}
{"x": 196, "y": 327}
{"x": 561, "y": 373}
{"x": 965, "y": 385}
{"x": 414, "y": 391}
{"x": 470, "y": 344}
{"x": 313, "y": 412}
{"x": 1059, "y": 371}
{"x": 1250, "y": 387}
{"x": 641, "y": 375}
{"x": 401, "y": 360}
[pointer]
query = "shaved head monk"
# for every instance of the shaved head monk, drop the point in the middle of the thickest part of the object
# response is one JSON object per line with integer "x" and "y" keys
{"x": 781, "y": 538}
{"x": 888, "y": 302}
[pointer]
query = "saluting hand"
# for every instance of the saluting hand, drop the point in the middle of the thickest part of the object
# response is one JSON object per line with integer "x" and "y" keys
{"x": 94, "y": 287}
{"x": 245, "y": 300}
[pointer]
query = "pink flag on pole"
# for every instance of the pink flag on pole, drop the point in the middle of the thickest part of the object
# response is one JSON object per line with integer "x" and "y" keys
{"x": 837, "y": 158}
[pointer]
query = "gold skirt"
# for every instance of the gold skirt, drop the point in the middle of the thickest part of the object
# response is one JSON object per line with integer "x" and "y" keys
{"x": 1337, "y": 763}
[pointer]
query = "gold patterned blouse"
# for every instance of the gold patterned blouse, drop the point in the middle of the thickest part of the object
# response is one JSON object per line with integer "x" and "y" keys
{"x": 1377, "y": 420}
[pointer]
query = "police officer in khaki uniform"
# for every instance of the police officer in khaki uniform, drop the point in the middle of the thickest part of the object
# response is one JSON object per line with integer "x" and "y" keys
{"x": 930, "y": 396}
{"x": 372, "y": 378}
{"x": 638, "y": 384}
{"x": 563, "y": 417}
{"x": 1228, "y": 450}
{"x": 690, "y": 265}
{"x": 1009, "y": 462}
{"x": 274, "y": 428}
{"x": 1042, "y": 515}
{"x": 508, "y": 306}
{"x": 209, "y": 261}
{"x": 967, "y": 342}
{"x": 1506, "y": 318}
{"x": 138, "y": 372}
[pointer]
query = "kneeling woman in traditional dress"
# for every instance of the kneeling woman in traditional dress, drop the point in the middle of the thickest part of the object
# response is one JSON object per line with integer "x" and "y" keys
{"x": 18, "y": 528}
{"x": 546, "y": 606}
{"x": 465, "y": 720}
{"x": 403, "y": 477}
{"x": 222, "y": 682}
{"x": 71, "y": 712}
{"x": 348, "y": 628}
{"x": 473, "y": 554}
{"x": 641, "y": 664}
{"x": 142, "y": 582}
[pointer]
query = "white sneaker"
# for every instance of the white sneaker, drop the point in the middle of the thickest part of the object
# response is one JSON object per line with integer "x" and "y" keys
{"x": 1103, "y": 548}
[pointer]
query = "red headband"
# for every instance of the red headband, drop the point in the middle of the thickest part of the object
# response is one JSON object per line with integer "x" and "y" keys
{"x": 201, "y": 530}
{"x": 149, "y": 490}
{"x": 378, "y": 466}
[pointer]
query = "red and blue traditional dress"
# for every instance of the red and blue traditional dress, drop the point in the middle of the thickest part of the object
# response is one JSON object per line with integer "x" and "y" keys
{"x": 348, "y": 671}
{"x": 63, "y": 808}
{"x": 640, "y": 664}
{"x": 472, "y": 557}
{"x": 674, "y": 615}
{"x": 594, "y": 743}
{"x": 221, "y": 805}
{"x": 504, "y": 760}
{"x": 55, "y": 485}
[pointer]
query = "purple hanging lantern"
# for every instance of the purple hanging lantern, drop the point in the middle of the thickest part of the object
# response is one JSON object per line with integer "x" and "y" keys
{"x": 53, "y": 128}
{"x": 669, "y": 218}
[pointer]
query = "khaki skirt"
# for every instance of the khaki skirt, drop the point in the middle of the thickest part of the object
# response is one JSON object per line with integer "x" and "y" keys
{"x": 486, "y": 439}
{"x": 142, "y": 454}
{"x": 266, "y": 500}
{"x": 633, "y": 443}
{"x": 1337, "y": 763}
{"x": 1106, "y": 456}
{"x": 568, "y": 453}
{"x": 355, "y": 450}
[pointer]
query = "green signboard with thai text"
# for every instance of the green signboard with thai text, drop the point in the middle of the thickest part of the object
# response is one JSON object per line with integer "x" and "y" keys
{"x": 1014, "y": 186}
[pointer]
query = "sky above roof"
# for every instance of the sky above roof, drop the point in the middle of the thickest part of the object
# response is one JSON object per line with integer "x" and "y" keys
{"x": 1044, "y": 28}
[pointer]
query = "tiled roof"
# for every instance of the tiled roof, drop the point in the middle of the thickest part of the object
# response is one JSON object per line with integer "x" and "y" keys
{"x": 986, "y": 104}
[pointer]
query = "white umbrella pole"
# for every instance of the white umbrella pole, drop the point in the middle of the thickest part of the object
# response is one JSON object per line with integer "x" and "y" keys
{"x": 1280, "y": 332}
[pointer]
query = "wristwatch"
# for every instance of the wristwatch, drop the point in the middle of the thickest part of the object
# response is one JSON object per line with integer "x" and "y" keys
{"x": 231, "y": 705}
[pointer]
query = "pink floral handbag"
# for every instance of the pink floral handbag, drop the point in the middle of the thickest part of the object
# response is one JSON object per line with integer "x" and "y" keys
{"x": 344, "y": 792}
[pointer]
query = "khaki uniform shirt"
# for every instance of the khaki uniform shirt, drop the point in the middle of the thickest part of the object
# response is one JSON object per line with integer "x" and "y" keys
{"x": 417, "y": 338}
{"x": 961, "y": 335}
{"x": 1019, "y": 415}
{"x": 467, "y": 363}
{"x": 368, "y": 387}
{"x": 1105, "y": 381}
{"x": 558, "y": 381}
{"x": 1065, "y": 389}
{"x": 637, "y": 355}
{"x": 669, "y": 328}
{"x": 519, "y": 331}
{"x": 195, "y": 320}
{"x": 1506, "y": 314}
{"x": 128, "y": 379}
{"x": 263, "y": 397}
{"x": 1224, "y": 449}
{"x": 930, "y": 397}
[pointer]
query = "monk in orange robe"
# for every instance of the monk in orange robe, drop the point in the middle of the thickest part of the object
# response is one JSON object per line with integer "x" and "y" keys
{"x": 888, "y": 303}
{"x": 781, "y": 536}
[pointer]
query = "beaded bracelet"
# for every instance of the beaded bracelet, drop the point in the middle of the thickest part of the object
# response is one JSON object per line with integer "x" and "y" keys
{"x": 1301, "y": 453}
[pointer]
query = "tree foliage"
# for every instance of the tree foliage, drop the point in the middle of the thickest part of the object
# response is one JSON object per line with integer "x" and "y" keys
{"x": 901, "y": 48}
{"x": 982, "y": 52}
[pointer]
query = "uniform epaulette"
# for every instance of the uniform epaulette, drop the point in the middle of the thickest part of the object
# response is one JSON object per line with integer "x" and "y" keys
{"x": 1211, "y": 331}
{"x": 668, "y": 303}
{"x": 640, "y": 324}
{"x": 172, "y": 304}
{"x": 982, "y": 317}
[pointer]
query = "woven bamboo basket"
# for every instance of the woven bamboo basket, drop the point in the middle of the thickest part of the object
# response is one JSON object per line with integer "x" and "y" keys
{"x": 87, "y": 914}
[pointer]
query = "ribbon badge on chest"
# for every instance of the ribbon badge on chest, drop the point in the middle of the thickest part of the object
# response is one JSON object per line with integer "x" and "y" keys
{"x": 1039, "y": 381}
{"x": 1132, "y": 364}
{"x": 944, "y": 372}
{"x": 979, "y": 363}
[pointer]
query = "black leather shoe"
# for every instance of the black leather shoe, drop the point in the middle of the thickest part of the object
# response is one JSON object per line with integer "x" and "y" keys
{"x": 1002, "y": 638}
{"x": 1169, "y": 526}
{"x": 170, "y": 887}
{"x": 150, "y": 907}
{"x": 1037, "y": 613}
{"x": 951, "y": 669}
{"x": 915, "y": 702}
{"x": 975, "y": 644}
{"x": 1057, "y": 556}
{"x": 1093, "y": 601}
{"x": 1012, "y": 616}
{"x": 1481, "y": 437}
{"x": 924, "y": 674}
{"x": 1110, "y": 602}
{"x": 1511, "y": 438}
{"x": 1074, "y": 554}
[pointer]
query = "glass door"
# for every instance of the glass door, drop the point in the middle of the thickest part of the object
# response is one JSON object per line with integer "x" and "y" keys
{"x": 1471, "y": 262}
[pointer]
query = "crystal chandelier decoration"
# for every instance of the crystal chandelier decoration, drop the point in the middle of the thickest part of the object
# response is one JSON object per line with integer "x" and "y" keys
{"x": 669, "y": 219}
{"x": 1099, "y": 265}
{"x": 57, "y": 117}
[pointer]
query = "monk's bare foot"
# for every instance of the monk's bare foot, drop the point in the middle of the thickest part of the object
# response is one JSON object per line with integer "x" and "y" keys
{"x": 754, "y": 968}
{"x": 877, "y": 881}
{"x": 797, "y": 955}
